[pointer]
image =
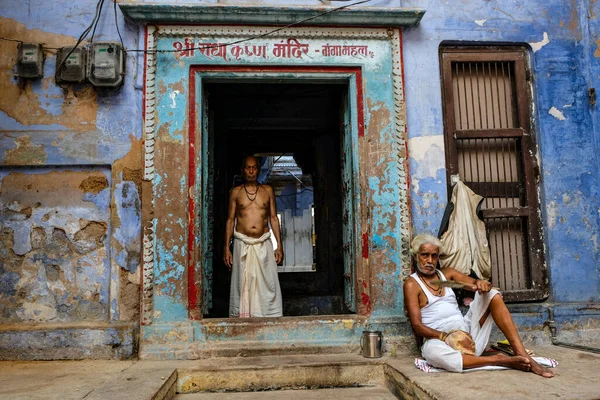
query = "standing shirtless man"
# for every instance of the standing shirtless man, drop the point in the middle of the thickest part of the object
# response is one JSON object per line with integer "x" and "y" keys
{"x": 255, "y": 290}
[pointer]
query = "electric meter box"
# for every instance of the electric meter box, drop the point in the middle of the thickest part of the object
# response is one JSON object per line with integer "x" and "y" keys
{"x": 106, "y": 64}
{"x": 71, "y": 64}
{"x": 30, "y": 60}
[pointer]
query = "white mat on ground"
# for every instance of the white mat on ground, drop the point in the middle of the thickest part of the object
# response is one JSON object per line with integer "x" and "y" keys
{"x": 425, "y": 367}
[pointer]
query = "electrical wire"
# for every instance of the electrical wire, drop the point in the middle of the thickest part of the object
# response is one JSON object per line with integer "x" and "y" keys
{"x": 92, "y": 24}
{"x": 10, "y": 40}
{"x": 261, "y": 35}
{"x": 117, "y": 24}
{"x": 97, "y": 20}
{"x": 297, "y": 23}
{"x": 20, "y": 41}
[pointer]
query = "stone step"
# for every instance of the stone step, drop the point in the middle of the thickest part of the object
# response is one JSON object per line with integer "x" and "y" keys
{"x": 292, "y": 373}
{"x": 362, "y": 393}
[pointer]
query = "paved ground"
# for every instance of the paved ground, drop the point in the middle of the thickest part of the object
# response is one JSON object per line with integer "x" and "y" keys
{"x": 576, "y": 377}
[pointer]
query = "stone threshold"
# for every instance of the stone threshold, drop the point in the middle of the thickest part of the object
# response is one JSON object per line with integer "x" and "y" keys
{"x": 236, "y": 337}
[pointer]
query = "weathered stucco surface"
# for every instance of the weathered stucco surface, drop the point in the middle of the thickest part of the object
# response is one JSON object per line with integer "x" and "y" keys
{"x": 72, "y": 184}
{"x": 54, "y": 245}
{"x": 70, "y": 188}
{"x": 35, "y": 102}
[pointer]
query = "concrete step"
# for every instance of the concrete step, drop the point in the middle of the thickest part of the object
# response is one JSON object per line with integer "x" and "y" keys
{"x": 283, "y": 372}
{"x": 362, "y": 393}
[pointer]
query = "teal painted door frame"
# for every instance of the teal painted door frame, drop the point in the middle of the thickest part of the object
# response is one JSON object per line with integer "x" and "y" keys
{"x": 349, "y": 158}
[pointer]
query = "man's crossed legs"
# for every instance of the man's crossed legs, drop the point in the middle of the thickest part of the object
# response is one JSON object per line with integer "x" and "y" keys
{"x": 441, "y": 355}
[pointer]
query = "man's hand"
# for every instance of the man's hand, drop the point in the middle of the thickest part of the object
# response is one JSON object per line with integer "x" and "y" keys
{"x": 461, "y": 341}
{"x": 279, "y": 255}
{"x": 482, "y": 286}
{"x": 228, "y": 257}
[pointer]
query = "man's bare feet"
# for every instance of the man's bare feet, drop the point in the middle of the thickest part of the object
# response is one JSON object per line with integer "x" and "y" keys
{"x": 523, "y": 363}
{"x": 539, "y": 370}
{"x": 515, "y": 362}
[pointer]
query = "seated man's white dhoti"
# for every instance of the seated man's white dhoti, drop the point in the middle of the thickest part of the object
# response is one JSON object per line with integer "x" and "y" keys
{"x": 255, "y": 290}
{"x": 442, "y": 313}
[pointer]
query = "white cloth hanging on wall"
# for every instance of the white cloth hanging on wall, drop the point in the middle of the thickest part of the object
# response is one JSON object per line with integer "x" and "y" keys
{"x": 465, "y": 242}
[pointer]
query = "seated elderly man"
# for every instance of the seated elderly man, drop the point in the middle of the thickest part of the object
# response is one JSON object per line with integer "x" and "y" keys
{"x": 454, "y": 342}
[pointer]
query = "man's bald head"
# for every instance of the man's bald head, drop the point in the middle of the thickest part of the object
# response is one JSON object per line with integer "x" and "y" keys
{"x": 250, "y": 168}
{"x": 248, "y": 158}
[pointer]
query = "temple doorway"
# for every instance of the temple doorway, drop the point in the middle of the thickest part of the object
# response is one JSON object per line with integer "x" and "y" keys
{"x": 298, "y": 131}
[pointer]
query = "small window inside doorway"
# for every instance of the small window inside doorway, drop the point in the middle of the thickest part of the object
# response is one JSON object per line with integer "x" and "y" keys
{"x": 294, "y": 196}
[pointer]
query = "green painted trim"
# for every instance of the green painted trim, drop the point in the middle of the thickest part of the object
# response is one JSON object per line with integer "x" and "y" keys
{"x": 269, "y": 15}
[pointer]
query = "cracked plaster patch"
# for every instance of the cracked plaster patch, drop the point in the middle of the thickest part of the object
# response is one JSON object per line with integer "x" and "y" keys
{"x": 552, "y": 212}
{"x": 556, "y": 113}
{"x": 428, "y": 153}
{"x": 26, "y": 153}
{"x": 173, "y": 97}
{"x": 535, "y": 46}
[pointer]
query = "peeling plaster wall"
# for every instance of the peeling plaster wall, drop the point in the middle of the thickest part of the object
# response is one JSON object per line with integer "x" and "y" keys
{"x": 70, "y": 190}
{"x": 80, "y": 150}
{"x": 565, "y": 53}
{"x": 375, "y": 153}
{"x": 54, "y": 228}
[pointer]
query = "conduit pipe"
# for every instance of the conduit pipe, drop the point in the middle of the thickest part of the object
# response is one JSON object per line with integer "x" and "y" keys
{"x": 552, "y": 325}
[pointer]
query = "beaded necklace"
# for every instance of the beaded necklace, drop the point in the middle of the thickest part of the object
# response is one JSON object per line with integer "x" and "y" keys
{"x": 248, "y": 194}
{"x": 437, "y": 292}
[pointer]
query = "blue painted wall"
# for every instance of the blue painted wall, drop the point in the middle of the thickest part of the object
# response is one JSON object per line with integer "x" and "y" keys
{"x": 563, "y": 38}
{"x": 70, "y": 187}
{"x": 83, "y": 133}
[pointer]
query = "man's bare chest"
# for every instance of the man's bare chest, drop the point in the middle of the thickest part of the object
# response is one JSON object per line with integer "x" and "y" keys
{"x": 256, "y": 201}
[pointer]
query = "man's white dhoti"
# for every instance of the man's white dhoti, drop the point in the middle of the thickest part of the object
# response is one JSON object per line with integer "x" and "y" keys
{"x": 438, "y": 353}
{"x": 255, "y": 290}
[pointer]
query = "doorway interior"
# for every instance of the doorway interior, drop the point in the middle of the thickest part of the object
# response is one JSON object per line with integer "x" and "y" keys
{"x": 298, "y": 131}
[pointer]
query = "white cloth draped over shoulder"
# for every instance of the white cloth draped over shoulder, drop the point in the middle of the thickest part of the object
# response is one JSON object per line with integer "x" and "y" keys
{"x": 255, "y": 290}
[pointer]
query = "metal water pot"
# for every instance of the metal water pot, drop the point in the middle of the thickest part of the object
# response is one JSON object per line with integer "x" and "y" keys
{"x": 371, "y": 343}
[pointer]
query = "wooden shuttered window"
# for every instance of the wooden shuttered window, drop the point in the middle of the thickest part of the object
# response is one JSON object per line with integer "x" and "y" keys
{"x": 487, "y": 123}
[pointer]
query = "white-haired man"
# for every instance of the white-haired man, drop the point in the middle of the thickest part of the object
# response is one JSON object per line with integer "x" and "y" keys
{"x": 452, "y": 341}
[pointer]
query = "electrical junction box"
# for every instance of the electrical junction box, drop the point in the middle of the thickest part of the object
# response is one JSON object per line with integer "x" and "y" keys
{"x": 106, "y": 64}
{"x": 71, "y": 64}
{"x": 30, "y": 60}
